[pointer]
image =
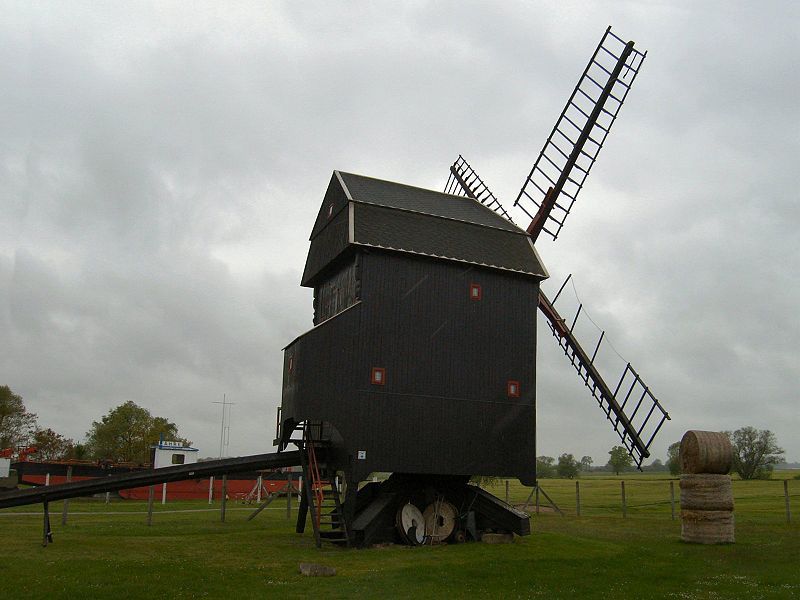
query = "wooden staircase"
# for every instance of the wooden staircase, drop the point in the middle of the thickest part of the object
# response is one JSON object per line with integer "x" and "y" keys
{"x": 321, "y": 494}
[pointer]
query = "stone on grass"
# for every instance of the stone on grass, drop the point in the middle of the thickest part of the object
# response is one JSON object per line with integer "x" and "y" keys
{"x": 315, "y": 570}
{"x": 498, "y": 538}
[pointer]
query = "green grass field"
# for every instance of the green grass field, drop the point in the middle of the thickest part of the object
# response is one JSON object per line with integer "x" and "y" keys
{"x": 597, "y": 555}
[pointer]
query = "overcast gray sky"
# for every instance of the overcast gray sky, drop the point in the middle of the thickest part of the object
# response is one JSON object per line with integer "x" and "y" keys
{"x": 161, "y": 166}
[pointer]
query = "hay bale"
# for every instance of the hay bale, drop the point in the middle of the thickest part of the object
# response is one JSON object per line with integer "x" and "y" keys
{"x": 707, "y": 526}
{"x": 706, "y": 452}
{"x": 706, "y": 492}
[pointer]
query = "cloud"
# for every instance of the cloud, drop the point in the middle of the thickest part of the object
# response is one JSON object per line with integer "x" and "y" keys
{"x": 161, "y": 170}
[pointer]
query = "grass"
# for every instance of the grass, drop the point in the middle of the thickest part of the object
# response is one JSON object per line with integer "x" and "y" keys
{"x": 597, "y": 555}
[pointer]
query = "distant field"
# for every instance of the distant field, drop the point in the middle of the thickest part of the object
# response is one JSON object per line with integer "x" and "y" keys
{"x": 599, "y": 555}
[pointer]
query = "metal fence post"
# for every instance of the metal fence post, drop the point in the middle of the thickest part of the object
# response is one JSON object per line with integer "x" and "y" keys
{"x": 211, "y": 489}
{"x": 786, "y": 500}
{"x": 672, "y": 498}
{"x": 624, "y": 503}
{"x": 66, "y": 501}
{"x": 224, "y": 500}
{"x": 150, "y": 496}
{"x": 578, "y": 498}
{"x": 289, "y": 492}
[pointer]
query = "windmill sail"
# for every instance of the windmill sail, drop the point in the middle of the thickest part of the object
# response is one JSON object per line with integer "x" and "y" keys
{"x": 644, "y": 415}
{"x": 464, "y": 181}
{"x": 549, "y": 192}
{"x": 547, "y": 197}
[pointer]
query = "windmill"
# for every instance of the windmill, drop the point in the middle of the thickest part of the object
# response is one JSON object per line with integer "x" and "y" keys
{"x": 547, "y": 197}
{"x": 422, "y": 359}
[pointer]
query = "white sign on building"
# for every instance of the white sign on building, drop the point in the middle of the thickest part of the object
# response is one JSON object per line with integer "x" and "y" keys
{"x": 169, "y": 454}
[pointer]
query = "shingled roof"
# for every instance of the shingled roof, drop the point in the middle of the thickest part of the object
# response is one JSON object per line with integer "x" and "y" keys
{"x": 363, "y": 211}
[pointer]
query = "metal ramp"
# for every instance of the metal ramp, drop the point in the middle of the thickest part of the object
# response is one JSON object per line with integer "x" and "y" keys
{"x": 647, "y": 416}
{"x": 113, "y": 483}
{"x": 571, "y": 149}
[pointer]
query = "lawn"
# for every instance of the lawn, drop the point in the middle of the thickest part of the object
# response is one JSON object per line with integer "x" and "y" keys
{"x": 598, "y": 555}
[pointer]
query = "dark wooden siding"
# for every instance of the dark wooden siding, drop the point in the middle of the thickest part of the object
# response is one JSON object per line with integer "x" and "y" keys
{"x": 444, "y": 407}
{"x": 335, "y": 200}
{"x": 326, "y": 246}
{"x": 448, "y": 360}
{"x": 337, "y": 292}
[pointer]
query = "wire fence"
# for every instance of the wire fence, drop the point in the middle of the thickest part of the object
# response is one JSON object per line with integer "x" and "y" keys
{"x": 772, "y": 500}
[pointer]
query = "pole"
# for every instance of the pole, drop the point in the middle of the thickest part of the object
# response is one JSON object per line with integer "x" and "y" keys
{"x": 66, "y": 501}
{"x": 108, "y": 497}
{"x": 289, "y": 492}
{"x": 578, "y": 498}
{"x": 624, "y": 503}
{"x": 262, "y": 506}
{"x": 258, "y": 491}
{"x": 224, "y": 500}
{"x": 786, "y": 500}
{"x": 150, "y": 496}
{"x": 210, "y": 489}
{"x": 47, "y": 533}
{"x": 222, "y": 427}
{"x": 672, "y": 498}
{"x": 47, "y": 479}
{"x": 537, "y": 498}
{"x": 164, "y": 493}
{"x": 507, "y": 491}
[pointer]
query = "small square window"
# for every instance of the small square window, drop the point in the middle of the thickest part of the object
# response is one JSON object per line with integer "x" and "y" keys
{"x": 178, "y": 459}
{"x": 475, "y": 292}
{"x": 513, "y": 389}
{"x": 378, "y": 376}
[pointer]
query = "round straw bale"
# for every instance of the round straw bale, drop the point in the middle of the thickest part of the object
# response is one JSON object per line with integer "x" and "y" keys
{"x": 706, "y": 492}
{"x": 706, "y": 452}
{"x": 707, "y": 526}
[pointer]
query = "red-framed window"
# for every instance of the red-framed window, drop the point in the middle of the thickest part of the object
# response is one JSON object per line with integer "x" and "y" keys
{"x": 513, "y": 388}
{"x": 475, "y": 291}
{"x": 378, "y": 376}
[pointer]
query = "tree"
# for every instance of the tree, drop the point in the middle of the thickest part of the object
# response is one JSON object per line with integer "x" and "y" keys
{"x": 567, "y": 466}
{"x": 655, "y": 466}
{"x": 51, "y": 445}
{"x": 126, "y": 433}
{"x": 16, "y": 423}
{"x": 755, "y": 452}
{"x": 78, "y": 452}
{"x": 586, "y": 463}
{"x": 545, "y": 466}
{"x": 620, "y": 459}
{"x": 674, "y": 459}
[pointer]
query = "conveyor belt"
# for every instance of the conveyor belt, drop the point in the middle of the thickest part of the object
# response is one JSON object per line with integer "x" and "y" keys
{"x": 112, "y": 483}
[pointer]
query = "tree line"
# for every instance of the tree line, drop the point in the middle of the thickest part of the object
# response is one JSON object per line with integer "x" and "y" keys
{"x": 124, "y": 434}
{"x": 755, "y": 454}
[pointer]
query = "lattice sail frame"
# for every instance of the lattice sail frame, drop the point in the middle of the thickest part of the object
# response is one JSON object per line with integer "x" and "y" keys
{"x": 572, "y": 169}
{"x": 464, "y": 181}
{"x": 632, "y": 431}
{"x": 571, "y": 149}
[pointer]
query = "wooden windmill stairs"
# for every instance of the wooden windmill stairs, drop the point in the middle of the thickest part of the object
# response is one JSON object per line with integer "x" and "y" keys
{"x": 320, "y": 499}
{"x": 548, "y": 195}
